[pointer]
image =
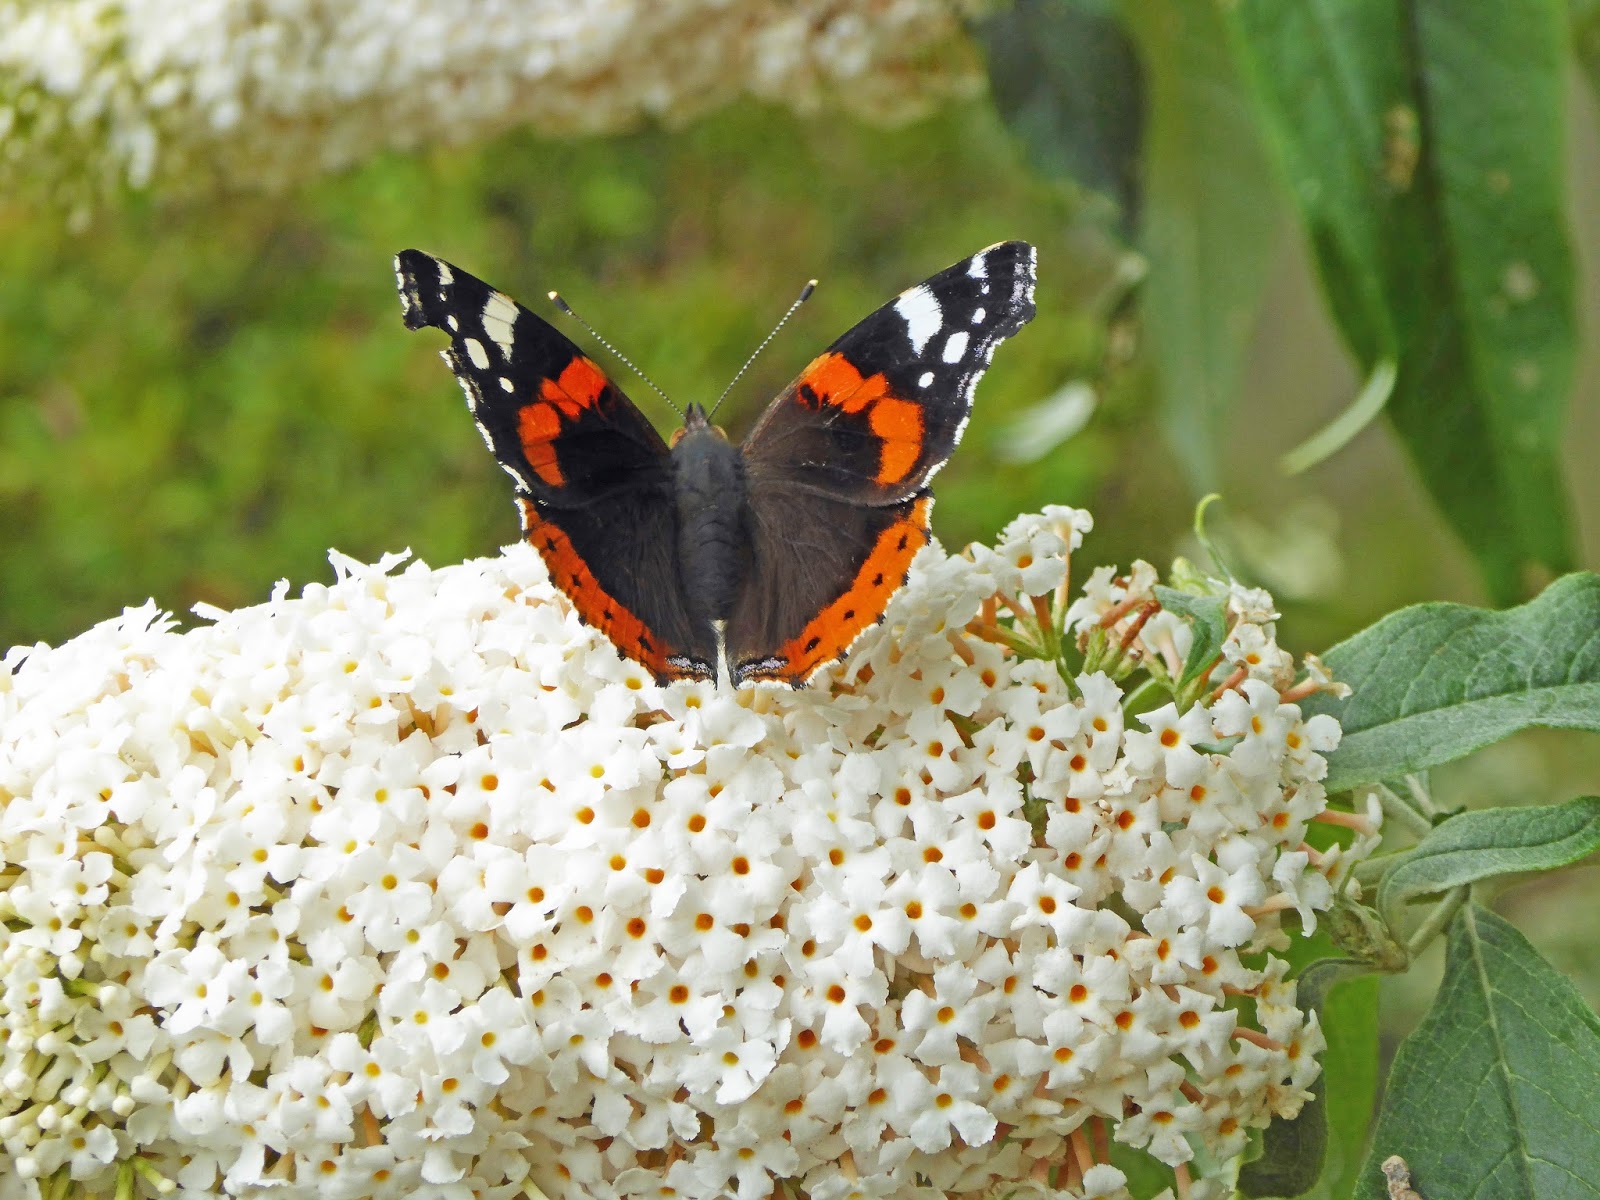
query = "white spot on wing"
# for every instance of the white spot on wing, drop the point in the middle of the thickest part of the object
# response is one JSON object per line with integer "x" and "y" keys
{"x": 499, "y": 315}
{"x": 920, "y": 311}
{"x": 446, "y": 275}
{"x": 506, "y": 384}
{"x": 1022, "y": 293}
{"x": 925, "y": 380}
{"x": 956, "y": 346}
{"x": 453, "y": 323}
{"x": 476, "y": 352}
{"x": 977, "y": 316}
{"x": 977, "y": 268}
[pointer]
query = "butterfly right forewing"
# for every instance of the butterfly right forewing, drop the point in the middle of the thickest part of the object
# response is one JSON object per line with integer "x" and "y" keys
{"x": 839, "y": 464}
{"x": 873, "y": 417}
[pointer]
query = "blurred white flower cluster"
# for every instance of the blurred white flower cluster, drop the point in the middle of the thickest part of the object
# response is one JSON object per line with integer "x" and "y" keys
{"x": 266, "y": 91}
{"x": 410, "y": 886}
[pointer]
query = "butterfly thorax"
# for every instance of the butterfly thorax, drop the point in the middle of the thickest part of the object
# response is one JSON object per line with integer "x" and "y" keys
{"x": 713, "y": 546}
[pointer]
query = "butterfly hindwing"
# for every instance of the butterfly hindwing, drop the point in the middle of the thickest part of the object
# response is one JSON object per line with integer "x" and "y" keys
{"x": 838, "y": 465}
{"x": 823, "y": 571}
{"x": 593, "y": 477}
{"x": 873, "y": 417}
{"x": 616, "y": 563}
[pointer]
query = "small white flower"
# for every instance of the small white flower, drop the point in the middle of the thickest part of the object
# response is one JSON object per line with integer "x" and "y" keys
{"x": 1215, "y": 900}
{"x": 1261, "y": 721}
{"x": 1171, "y": 743}
{"x": 855, "y": 920}
{"x": 933, "y": 1022}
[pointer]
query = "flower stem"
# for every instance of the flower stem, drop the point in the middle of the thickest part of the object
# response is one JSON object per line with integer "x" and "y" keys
{"x": 1443, "y": 913}
{"x": 1398, "y": 809}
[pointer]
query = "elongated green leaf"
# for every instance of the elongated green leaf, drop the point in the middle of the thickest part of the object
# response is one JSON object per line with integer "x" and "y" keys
{"x": 1496, "y": 841}
{"x": 1207, "y": 617}
{"x": 1437, "y": 681}
{"x": 1212, "y": 214}
{"x": 1496, "y": 1095}
{"x": 1067, "y": 82}
{"x": 1423, "y": 140}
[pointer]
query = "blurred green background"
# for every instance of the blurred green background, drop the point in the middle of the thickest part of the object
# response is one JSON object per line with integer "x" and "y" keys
{"x": 199, "y": 397}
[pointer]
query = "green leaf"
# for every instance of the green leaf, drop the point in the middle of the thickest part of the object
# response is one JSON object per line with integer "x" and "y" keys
{"x": 1318, "y": 1154}
{"x": 1499, "y": 841}
{"x": 1211, "y": 215}
{"x": 1066, "y": 81}
{"x": 1207, "y": 616}
{"x": 1424, "y": 143}
{"x": 1496, "y": 1095}
{"x": 1435, "y": 682}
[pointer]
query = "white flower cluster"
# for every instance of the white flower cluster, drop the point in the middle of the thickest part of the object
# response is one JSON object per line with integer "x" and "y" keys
{"x": 410, "y": 886}
{"x": 265, "y": 91}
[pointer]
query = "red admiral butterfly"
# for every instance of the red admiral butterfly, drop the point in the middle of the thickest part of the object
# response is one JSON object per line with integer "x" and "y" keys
{"x": 774, "y": 555}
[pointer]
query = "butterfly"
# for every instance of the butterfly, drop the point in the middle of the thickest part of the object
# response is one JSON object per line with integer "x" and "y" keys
{"x": 767, "y": 559}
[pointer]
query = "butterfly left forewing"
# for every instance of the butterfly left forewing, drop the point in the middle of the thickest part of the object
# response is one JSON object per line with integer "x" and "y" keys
{"x": 561, "y": 429}
{"x": 594, "y": 482}
{"x": 839, "y": 464}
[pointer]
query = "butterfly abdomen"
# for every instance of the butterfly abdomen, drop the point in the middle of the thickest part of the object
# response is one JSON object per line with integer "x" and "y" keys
{"x": 713, "y": 542}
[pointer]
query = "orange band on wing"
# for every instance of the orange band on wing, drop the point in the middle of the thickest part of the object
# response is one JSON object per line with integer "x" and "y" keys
{"x": 580, "y": 386}
{"x": 538, "y": 425}
{"x": 595, "y": 605}
{"x": 830, "y": 634}
{"x": 560, "y": 401}
{"x": 832, "y": 381}
{"x": 899, "y": 424}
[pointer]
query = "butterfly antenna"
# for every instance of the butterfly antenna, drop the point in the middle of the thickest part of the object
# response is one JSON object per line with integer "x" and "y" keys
{"x": 621, "y": 357}
{"x": 805, "y": 294}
